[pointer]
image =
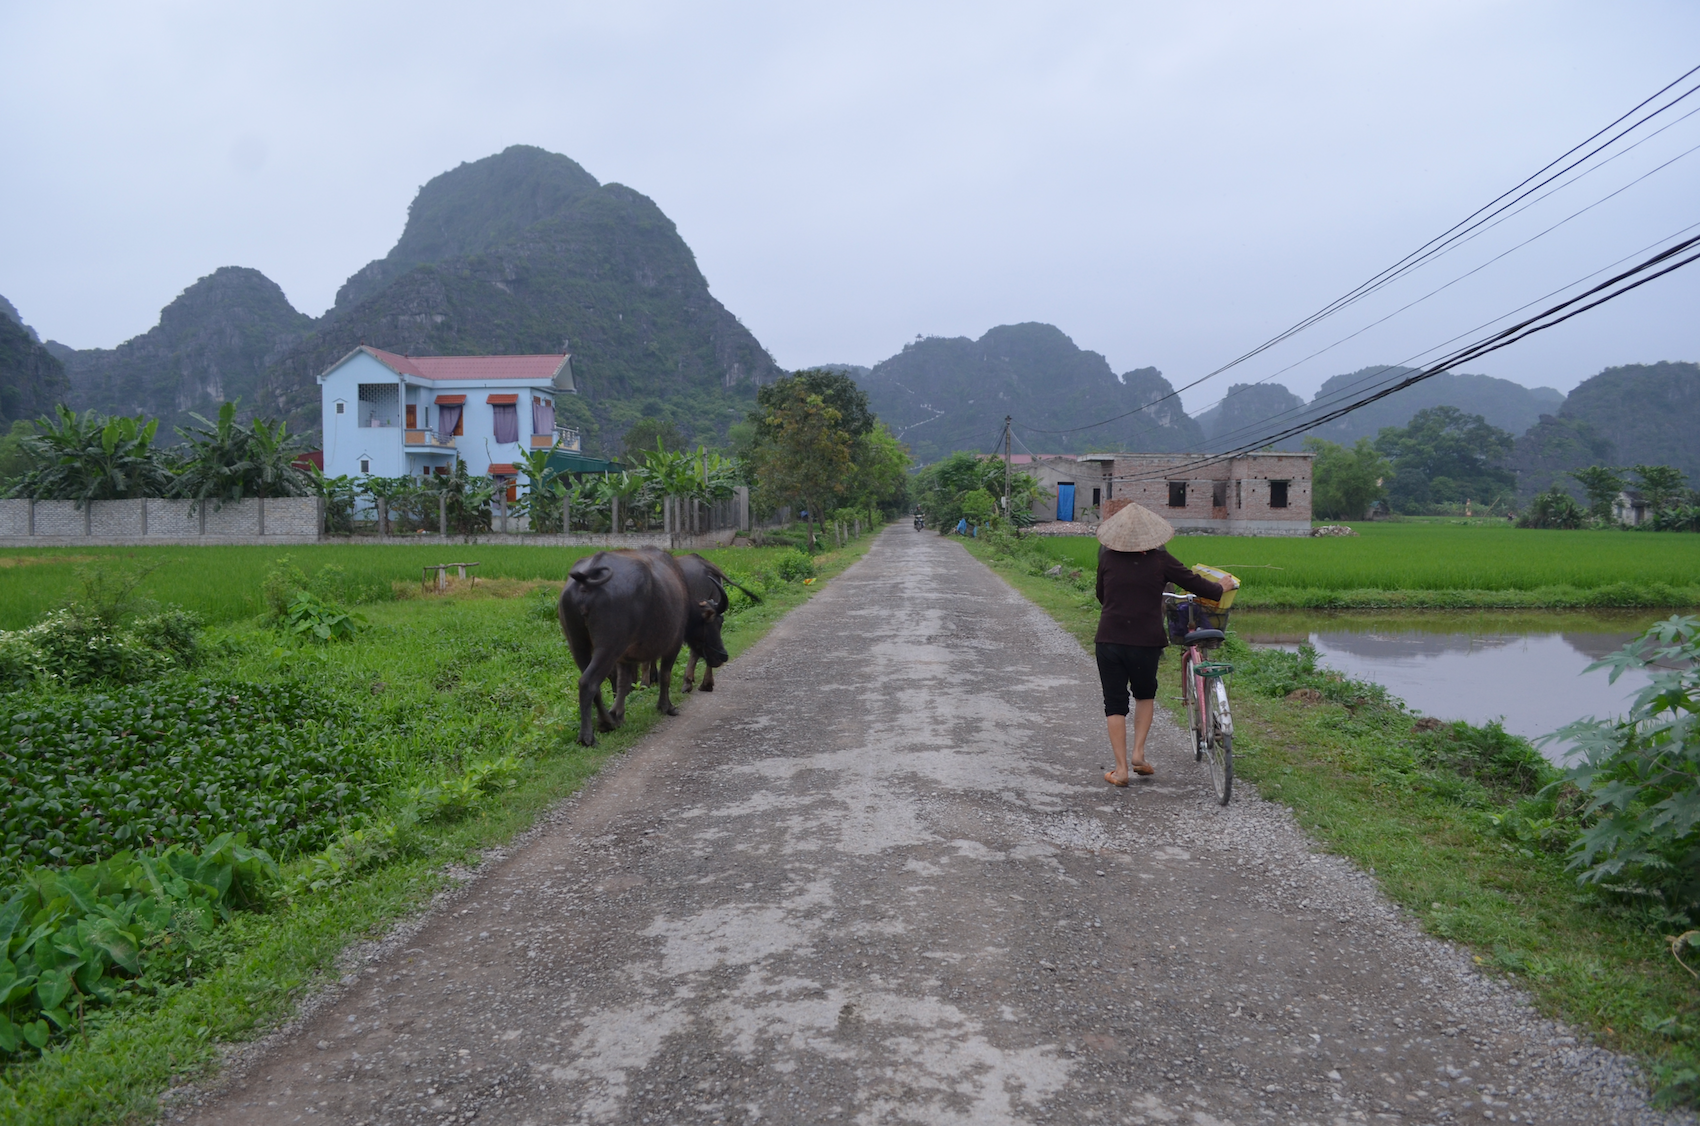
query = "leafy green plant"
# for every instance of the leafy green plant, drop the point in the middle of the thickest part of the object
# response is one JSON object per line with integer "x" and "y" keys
{"x": 794, "y": 566}
{"x": 90, "y": 457}
{"x": 227, "y": 460}
{"x": 1554, "y": 508}
{"x": 73, "y": 939}
{"x": 1642, "y": 775}
{"x": 85, "y": 776}
{"x": 311, "y": 618}
{"x": 455, "y": 797}
{"x": 70, "y": 650}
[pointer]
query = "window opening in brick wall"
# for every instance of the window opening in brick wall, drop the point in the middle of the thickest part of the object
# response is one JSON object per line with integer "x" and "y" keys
{"x": 1177, "y": 494}
{"x": 1239, "y": 495}
{"x": 1277, "y": 494}
{"x": 1095, "y": 500}
{"x": 1219, "y": 494}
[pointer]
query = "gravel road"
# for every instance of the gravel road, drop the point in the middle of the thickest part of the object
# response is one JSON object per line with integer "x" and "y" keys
{"x": 876, "y": 878}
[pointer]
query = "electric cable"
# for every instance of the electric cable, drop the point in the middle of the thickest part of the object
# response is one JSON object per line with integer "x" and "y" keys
{"x": 1424, "y": 253}
{"x": 1540, "y": 322}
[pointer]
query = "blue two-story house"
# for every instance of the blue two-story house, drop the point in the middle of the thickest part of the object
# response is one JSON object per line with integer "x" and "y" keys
{"x": 387, "y": 415}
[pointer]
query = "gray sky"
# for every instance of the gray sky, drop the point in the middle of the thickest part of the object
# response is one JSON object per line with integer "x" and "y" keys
{"x": 1169, "y": 184}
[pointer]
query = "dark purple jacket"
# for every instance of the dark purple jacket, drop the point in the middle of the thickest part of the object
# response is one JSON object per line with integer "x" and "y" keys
{"x": 1130, "y": 585}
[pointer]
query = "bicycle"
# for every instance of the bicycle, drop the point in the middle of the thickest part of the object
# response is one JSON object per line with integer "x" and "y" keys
{"x": 1203, "y": 689}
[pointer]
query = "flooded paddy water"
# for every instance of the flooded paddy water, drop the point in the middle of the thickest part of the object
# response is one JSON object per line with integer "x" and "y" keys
{"x": 1525, "y": 668}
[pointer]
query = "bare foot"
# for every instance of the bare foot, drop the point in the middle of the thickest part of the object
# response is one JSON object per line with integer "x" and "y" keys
{"x": 1110, "y": 777}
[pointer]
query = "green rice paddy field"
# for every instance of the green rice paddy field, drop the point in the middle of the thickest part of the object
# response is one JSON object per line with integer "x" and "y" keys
{"x": 223, "y": 583}
{"x": 1438, "y": 558}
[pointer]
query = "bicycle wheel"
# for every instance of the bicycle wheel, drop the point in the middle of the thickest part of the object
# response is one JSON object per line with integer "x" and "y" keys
{"x": 1194, "y": 710}
{"x": 1221, "y": 741}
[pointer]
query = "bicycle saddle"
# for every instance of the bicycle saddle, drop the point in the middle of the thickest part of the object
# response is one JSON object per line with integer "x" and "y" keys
{"x": 1198, "y": 635}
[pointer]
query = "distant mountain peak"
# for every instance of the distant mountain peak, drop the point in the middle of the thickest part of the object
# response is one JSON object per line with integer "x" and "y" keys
{"x": 473, "y": 207}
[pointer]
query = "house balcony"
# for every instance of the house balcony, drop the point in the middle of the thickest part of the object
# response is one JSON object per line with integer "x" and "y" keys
{"x": 427, "y": 440}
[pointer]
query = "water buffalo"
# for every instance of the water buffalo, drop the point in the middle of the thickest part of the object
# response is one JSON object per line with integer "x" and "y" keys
{"x": 621, "y": 610}
{"x": 708, "y": 585}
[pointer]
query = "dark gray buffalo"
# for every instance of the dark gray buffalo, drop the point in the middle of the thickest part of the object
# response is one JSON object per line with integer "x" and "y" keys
{"x": 708, "y": 585}
{"x": 620, "y": 611}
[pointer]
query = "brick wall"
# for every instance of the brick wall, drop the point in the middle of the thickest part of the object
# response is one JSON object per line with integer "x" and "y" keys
{"x": 1242, "y": 485}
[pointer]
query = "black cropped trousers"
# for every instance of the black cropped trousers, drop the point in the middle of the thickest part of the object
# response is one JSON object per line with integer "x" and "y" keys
{"x": 1121, "y": 667}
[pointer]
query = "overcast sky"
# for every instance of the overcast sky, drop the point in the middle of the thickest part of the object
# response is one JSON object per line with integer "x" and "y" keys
{"x": 1167, "y": 183}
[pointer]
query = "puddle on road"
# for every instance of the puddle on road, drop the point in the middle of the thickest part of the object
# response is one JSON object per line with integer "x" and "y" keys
{"x": 1525, "y": 668}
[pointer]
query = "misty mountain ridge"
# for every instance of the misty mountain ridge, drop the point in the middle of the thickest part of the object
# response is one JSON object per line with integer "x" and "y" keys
{"x": 520, "y": 252}
{"x": 32, "y": 379}
{"x": 941, "y": 394}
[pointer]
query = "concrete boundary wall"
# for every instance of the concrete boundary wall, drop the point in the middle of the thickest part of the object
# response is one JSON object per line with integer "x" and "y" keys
{"x": 54, "y": 523}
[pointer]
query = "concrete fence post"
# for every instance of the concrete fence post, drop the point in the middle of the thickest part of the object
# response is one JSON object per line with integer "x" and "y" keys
{"x": 566, "y": 514}
{"x": 443, "y": 515}
{"x": 614, "y": 514}
{"x": 32, "y": 516}
{"x": 261, "y": 517}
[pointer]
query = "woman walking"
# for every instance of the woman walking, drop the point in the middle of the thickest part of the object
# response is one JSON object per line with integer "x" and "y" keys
{"x": 1133, "y": 569}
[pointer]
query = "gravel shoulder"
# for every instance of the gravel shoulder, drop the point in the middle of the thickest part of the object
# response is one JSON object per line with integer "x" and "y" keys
{"x": 876, "y": 877}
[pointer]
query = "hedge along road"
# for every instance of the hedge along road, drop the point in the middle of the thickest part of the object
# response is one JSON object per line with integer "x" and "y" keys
{"x": 876, "y": 877}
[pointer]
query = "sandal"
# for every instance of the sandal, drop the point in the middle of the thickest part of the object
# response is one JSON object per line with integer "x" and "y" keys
{"x": 1110, "y": 777}
{"x": 1144, "y": 769}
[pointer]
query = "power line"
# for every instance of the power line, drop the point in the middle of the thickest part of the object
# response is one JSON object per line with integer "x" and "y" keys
{"x": 1540, "y": 322}
{"x": 1340, "y": 393}
{"x": 1439, "y": 244}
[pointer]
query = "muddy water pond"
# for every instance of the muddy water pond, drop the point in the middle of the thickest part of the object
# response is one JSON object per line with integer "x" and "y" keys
{"x": 1524, "y": 668}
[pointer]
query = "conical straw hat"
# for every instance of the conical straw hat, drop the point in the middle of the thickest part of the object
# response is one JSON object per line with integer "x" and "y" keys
{"x": 1135, "y": 528}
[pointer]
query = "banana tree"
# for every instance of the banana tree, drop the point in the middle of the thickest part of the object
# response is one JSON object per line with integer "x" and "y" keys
{"x": 88, "y": 457}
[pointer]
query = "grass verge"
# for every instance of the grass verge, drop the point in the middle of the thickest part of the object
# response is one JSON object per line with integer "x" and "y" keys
{"x": 435, "y": 681}
{"x": 1446, "y": 822}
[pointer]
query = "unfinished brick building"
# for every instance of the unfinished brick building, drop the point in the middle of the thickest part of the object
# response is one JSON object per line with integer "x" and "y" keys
{"x": 1261, "y": 494}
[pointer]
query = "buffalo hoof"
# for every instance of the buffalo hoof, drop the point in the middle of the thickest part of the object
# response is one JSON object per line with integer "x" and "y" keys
{"x": 708, "y": 686}
{"x": 670, "y": 710}
{"x": 605, "y": 725}
{"x": 588, "y": 738}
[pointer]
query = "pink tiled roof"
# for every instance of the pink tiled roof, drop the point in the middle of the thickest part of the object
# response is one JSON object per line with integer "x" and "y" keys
{"x": 471, "y": 367}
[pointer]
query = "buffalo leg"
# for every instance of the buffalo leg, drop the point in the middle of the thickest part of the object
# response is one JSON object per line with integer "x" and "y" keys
{"x": 691, "y": 675}
{"x": 665, "y": 704}
{"x": 707, "y": 675}
{"x": 622, "y": 688}
{"x": 590, "y": 699}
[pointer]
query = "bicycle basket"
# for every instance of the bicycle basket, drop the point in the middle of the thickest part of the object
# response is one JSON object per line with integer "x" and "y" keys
{"x": 1178, "y": 617}
{"x": 1210, "y": 618}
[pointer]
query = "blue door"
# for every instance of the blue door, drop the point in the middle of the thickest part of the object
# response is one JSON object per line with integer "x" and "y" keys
{"x": 1065, "y": 501}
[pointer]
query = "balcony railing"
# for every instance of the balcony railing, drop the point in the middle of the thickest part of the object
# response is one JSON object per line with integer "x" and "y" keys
{"x": 428, "y": 439}
{"x": 566, "y": 436}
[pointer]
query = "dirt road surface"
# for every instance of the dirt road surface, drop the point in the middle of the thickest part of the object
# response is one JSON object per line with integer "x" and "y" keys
{"x": 877, "y": 878}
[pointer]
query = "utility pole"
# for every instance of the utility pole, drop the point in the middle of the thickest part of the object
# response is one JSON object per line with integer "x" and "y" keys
{"x": 1006, "y": 468}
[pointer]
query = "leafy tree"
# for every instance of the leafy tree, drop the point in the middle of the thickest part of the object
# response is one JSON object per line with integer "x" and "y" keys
{"x": 1554, "y": 508}
{"x": 837, "y": 391}
{"x": 804, "y": 456}
{"x": 89, "y": 457}
{"x": 978, "y": 507}
{"x": 1445, "y": 457}
{"x": 1602, "y": 483}
{"x": 228, "y": 460}
{"x": 1660, "y": 485}
{"x": 1347, "y": 481}
{"x": 882, "y": 472}
{"x": 940, "y": 488}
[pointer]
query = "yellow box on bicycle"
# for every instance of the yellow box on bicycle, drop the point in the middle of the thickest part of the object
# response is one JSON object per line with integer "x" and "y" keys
{"x": 1219, "y": 577}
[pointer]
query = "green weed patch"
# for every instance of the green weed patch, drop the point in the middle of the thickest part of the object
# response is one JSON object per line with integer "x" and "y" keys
{"x": 88, "y": 775}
